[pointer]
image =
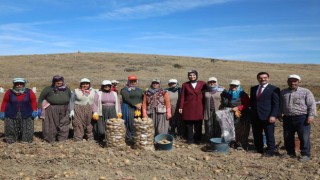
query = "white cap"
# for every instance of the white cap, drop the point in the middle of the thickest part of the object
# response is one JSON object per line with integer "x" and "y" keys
{"x": 115, "y": 82}
{"x": 235, "y": 82}
{"x": 85, "y": 80}
{"x": 294, "y": 76}
{"x": 212, "y": 79}
{"x": 106, "y": 82}
{"x": 173, "y": 81}
{"x": 16, "y": 80}
{"x": 156, "y": 80}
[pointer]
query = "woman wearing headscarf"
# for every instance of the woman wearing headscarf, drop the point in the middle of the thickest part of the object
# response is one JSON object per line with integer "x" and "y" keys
{"x": 106, "y": 106}
{"x": 81, "y": 108}
{"x": 175, "y": 123}
{"x": 191, "y": 106}
{"x": 115, "y": 86}
{"x": 55, "y": 125}
{"x": 131, "y": 100}
{"x": 239, "y": 101}
{"x": 156, "y": 105}
{"x": 213, "y": 101}
{"x": 18, "y": 109}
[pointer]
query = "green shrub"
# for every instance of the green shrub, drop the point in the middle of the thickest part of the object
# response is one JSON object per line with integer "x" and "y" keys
{"x": 177, "y": 66}
{"x": 131, "y": 69}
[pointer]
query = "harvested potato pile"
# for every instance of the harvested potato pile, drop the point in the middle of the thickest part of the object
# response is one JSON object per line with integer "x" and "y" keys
{"x": 116, "y": 132}
{"x": 144, "y": 133}
{"x": 164, "y": 142}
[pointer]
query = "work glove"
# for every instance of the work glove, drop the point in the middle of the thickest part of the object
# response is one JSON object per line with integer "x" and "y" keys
{"x": 237, "y": 114}
{"x": 2, "y": 115}
{"x": 71, "y": 115}
{"x": 137, "y": 113}
{"x": 34, "y": 114}
{"x": 39, "y": 112}
{"x": 95, "y": 116}
{"x": 119, "y": 115}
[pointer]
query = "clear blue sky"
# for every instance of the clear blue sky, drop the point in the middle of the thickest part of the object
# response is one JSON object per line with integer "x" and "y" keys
{"x": 273, "y": 31}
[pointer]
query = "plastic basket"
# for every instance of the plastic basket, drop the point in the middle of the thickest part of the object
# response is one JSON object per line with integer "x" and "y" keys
{"x": 160, "y": 137}
{"x": 218, "y": 145}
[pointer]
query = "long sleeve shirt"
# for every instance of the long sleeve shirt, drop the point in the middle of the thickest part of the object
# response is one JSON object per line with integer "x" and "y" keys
{"x": 132, "y": 97}
{"x": 297, "y": 102}
{"x": 245, "y": 102}
{"x": 54, "y": 98}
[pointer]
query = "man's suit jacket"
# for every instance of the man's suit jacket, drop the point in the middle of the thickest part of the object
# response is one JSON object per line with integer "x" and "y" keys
{"x": 267, "y": 104}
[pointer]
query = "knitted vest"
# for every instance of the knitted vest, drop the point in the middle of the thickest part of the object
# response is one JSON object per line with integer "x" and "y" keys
{"x": 100, "y": 104}
{"x": 81, "y": 99}
{"x": 14, "y": 105}
{"x": 156, "y": 101}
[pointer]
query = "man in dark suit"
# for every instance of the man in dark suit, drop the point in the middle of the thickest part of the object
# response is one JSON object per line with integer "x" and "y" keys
{"x": 264, "y": 101}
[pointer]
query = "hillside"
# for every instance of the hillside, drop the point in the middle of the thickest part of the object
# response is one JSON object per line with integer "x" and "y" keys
{"x": 39, "y": 69}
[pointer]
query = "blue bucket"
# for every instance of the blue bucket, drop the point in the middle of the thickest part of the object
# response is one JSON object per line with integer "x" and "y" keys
{"x": 160, "y": 137}
{"x": 218, "y": 145}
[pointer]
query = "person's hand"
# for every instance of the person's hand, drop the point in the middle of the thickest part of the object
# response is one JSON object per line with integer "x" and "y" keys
{"x": 95, "y": 116}
{"x": 2, "y": 115}
{"x": 71, "y": 115}
{"x": 34, "y": 114}
{"x": 272, "y": 119}
{"x": 138, "y": 106}
{"x": 180, "y": 111}
{"x": 39, "y": 112}
{"x": 310, "y": 119}
{"x": 168, "y": 116}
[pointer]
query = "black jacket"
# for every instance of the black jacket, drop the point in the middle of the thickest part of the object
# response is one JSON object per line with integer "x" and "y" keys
{"x": 268, "y": 104}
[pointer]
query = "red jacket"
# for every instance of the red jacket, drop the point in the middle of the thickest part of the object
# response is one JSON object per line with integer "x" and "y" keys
{"x": 192, "y": 101}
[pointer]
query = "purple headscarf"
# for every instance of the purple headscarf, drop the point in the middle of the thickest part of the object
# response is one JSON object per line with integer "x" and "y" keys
{"x": 55, "y": 79}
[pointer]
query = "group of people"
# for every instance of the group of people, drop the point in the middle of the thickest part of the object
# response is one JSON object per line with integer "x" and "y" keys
{"x": 294, "y": 105}
{"x": 177, "y": 110}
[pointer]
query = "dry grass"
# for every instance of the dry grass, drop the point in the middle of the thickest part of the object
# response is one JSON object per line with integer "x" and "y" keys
{"x": 39, "y": 69}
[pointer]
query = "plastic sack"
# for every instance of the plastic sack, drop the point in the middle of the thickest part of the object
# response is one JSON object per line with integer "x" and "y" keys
{"x": 226, "y": 122}
{"x": 2, "y": 90}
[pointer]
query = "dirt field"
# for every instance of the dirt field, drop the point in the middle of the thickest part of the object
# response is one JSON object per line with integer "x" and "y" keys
{"x": 88, "y": 160}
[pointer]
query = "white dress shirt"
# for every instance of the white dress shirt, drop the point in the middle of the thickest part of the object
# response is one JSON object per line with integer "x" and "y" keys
{"x": 261, "y": 86}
